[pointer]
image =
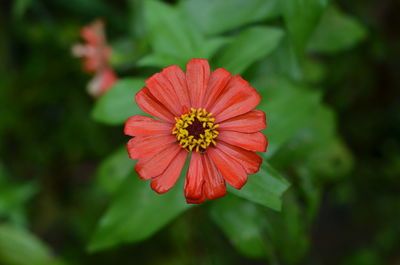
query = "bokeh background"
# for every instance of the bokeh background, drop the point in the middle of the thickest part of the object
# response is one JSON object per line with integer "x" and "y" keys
{"x": 328, "y": 73}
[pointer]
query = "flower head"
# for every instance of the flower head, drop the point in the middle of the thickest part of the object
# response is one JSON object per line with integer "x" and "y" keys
{"x": 95, "y": 54}
{"x": 102, "y": 82}
{"x": 208, "y": 114}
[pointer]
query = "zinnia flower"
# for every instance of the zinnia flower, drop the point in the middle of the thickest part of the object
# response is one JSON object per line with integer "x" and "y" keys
{"x": 95, "y": 54}
{"x": 102, "y": 82}
{"x": 211, "y": 116}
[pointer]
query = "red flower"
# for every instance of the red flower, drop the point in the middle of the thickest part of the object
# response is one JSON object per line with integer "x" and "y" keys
{"x": 208, "y": 114}
{"x": 96, "y": 55}
{"x": 102, "y": 82}
{"x": 95, "y": 52}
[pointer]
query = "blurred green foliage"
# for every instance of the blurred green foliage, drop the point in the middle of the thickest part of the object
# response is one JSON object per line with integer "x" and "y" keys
{"x": 328, "y": 190}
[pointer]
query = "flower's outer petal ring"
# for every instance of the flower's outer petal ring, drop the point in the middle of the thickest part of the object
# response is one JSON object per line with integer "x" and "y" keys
{"x": 154, "y": 165}
{"x": 149, "y": 104}
{"x": 218, "y": 80}
{"x": 249, "y": 160}
{"x": 199, "y": 200}
{"x": 250, "y": 122}
{"x": 197, "y": 76}
{"x": 142, "y": 146}
{"x": 214, "y": 186}
{"x": 230, "y": 169}
{"x": 139, "y": 125}
{"x": 168, "y": 178}
{"x": 161, "y": 88}
{"x": 177, "y": 78}
{"x": 237, "y": 98}
{"x": 194, "y": 178}
{"x": 256, "y": 142}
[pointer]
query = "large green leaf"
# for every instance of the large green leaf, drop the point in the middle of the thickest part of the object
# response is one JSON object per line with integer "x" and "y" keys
{"x": 315, "y": 134}
{"x": 301, "y": 18}
{"x": 218, "y": 16}
{"x": 20, "y": 247}
{"x": 316, "y": 141}
{"x": 243, "y": 223}
{"x": 136, "y": 213}
{"x": 283, "y": 61}
{"x": 163, "y": 60}
{"x": 248, "y": 47}
{"x": 118, "y": 103}
{"x": 114, "y": 170}
{"x": 288, "y": 230}
{"x": 288, "y": 107}
{"x": 266, "y": 187}
{"x": 173, "y": 38}
{"x": 168, "y": 32}
{"x": 336, "y": 32}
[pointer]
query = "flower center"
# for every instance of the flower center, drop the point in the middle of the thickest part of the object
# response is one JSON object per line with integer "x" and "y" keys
{"x": 195, "y": 130}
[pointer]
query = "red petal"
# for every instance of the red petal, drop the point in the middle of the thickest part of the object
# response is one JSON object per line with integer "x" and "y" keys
{"x": 149, "y": 104}
{"x": 214, "y": 186}
{"x": 102, "y": 82}
{"x": 237, "y": 98}
{"x": 250, "y": 141}
{"x": 161, "y": 88}
{"x": 252, "y": 121}
{"x": 152, "y": 166}
{"x": 167, "y": 179}
{"x": 201, "y": 199}
{"x": 139, "y": 125}
{"x": 195, "y": 178}
{"x": 178, "y": 81}
{"x": 218, "y": 80}
{"x": 142, "y": 146}
{"x": 250, "y": 161}
{"x": 93, "y": 34}
{"x": 231, "y": 170}
{"x": 91, "y": 64}
{"x": 197, "y": 75}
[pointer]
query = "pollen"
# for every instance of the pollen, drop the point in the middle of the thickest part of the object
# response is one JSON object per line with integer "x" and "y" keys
{"x": 195, "y": 131}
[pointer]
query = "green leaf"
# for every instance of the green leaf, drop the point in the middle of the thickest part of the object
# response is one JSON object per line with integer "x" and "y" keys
{"x": 19, "y": 247}
{"x": 312, "y": 191}
{"x": 336, "y": 32}
{"x": 288, "y": 107}
{"x": 301, "y": 18}
{"x": 174, "y": 39}
{"x": 163, "y": 60}
{"x": 136, "y": 213}
{"x": 211, "y": 46}
{"x": 126, "y": 51}
{"x": 315, "y": 134}
{"x": 316, "y": 141}
{"x": 248, "y": 47}
{"x": 114, "y": 170}
{"x": 14, "y": 198}
{"x": 283, "y": 61}
{"x": 288, "y": 230}
{"x": 243, "y": 223}
{"x": 217, "y": 16}
{"x": 315, "y": 71}
{"x": 266, "y": 187}
{"x": 335, "y": 160}
{"x": 169, "y": 34}
{"x": 118, "y": 104}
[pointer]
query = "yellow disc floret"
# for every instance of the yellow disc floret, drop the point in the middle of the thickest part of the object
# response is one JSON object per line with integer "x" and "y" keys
{"x": 196, "y": 130}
